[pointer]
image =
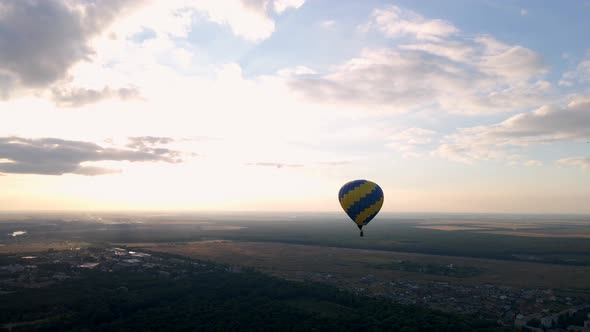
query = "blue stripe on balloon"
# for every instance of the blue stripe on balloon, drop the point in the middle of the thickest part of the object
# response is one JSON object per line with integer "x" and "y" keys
{"x": 349, "y": 186}
{"x": 376, "y": 212}
{"x": 354, "y": 210}
{"x": 365, "y": 202}
{"x": 370, "y": 218}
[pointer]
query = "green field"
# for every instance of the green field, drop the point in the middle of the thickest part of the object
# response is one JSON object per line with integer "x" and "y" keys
{"x": 293, "y": 260}
{"x": 473, "y": 238}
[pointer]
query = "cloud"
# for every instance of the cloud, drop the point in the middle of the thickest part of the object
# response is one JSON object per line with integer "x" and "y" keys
{"x": 335, "y": 163}
{"x": 143, "y": 142}
{"x": 431, "y": 68}
{"x": 328, "y": 24}
{"x": 533, "y": 163}
{"x": 387, "y": 78}
{"x": 453, "y": 50}
{"x": 281, "y": 5}
{"x": 71, "y": 51}
{"x": 266, "y": 6}
{"x": 580, "y": 75}
{"x": 581, "y": 162}
{"x": 508, "y": 63}
{"x": 466, "y": 153}
{"x": 41, "y": 39}
{"x": 52, "y": 156}
{"x": 248, "y": 19}
{"x": 277, "y": 165}
{"x": 520, "y": 160}
{"x": 295, "y": 71}
{"x": 252, "y": 20}
{"x": 409, "y": 140}
{"x": 416, "y": 76}
{"x": 547, "y": 124}
{"x": 396, "y": 22}
{"x": 80, "y": 96}
{"x": 523, "y": 12}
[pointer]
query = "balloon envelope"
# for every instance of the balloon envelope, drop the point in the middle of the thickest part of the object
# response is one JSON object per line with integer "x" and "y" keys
{"x": 361, "y": 200}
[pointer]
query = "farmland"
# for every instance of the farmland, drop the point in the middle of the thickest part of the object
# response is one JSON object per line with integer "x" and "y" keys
{"x": 291, "y": 261}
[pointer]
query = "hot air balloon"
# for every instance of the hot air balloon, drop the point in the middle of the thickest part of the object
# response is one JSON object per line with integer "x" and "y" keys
{"x": 361, "y": 200}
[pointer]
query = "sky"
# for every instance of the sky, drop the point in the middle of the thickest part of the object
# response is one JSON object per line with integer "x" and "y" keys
{"x": 272, "y": 105}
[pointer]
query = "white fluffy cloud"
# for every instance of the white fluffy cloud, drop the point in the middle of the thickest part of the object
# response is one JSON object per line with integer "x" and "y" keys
{"x": 328, "y": 24}
{"x": 580, "y": 75}
{"x": 434, "y": 67}
{"x": 581, "y": 162}
{"x": 419, "y": 76}
{"x": 410, "y": 140}
{"x": 37, "y": 60}
{"x": 533, "y": 163}
{"x": 282, "y": 5}
{"x": 510, "y": 63}
{"x": 545, "y": 125}
{"x": 249, "y": 19}
{"x": 396, "y": 22}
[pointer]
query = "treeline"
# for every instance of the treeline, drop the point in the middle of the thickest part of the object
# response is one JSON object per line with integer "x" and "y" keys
{"x": 209, "y": 298}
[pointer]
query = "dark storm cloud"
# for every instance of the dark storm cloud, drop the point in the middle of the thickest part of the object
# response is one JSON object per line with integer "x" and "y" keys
{"x": 80, "y": 97}
{"x": 41, "y": 39}
{"x": 52, "y": 156}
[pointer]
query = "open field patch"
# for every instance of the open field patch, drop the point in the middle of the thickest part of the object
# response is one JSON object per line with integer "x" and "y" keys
{"x": 542, "y": 234}
{"x": 296, "y": 261}
{"x": 38, "y": 247}
{"x": 453, "y": 228}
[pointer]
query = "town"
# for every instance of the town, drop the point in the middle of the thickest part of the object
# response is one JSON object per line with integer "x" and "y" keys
{"x": 510, "y": 306}
{"x": 67, "y": 264}
{"x": 532, "y": 309}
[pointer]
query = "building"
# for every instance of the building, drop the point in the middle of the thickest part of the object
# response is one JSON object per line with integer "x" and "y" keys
{"x": 549, "y": 321}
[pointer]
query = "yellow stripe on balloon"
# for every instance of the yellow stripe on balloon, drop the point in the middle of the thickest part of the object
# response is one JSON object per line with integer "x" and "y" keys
{"x": 356, "y": 194}
{"x": 366, "y": 213}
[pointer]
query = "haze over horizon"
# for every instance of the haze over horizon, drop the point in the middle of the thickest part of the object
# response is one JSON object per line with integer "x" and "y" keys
{"x": 242, "y": 105}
